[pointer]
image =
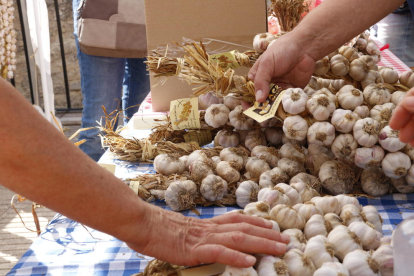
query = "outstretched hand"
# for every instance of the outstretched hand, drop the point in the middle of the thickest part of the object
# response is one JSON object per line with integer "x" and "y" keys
{"x": 403, "y": 118}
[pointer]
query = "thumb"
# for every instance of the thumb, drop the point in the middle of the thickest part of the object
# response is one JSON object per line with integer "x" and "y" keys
{"x": 262, "y": 80}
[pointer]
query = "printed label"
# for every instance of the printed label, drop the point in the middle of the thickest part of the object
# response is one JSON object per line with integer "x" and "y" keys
{"x": 184, "y": 114}
{"x": 134, "y": 185}
{"x": 202, "y": 137}
{"x": 226, "y": 60}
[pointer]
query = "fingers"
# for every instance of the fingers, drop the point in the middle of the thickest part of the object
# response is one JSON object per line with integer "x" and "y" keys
{"x": 262, "y": 79}
{"x": 407, "y": 132}
{"x": 214, "y": 253}
{"x": 245, "y": 105}
{"x": 239, "y": 218}
{"x": 403, "y": 112}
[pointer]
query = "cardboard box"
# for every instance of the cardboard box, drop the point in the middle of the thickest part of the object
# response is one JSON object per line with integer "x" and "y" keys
{"x": 235, "y": 21}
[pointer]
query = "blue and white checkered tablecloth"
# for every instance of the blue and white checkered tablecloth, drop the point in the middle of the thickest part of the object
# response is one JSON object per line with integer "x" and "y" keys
{"x": 66, "y": 248}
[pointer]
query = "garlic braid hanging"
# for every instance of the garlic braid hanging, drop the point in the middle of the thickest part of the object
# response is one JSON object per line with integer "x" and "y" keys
{"x": 7, "y": 40}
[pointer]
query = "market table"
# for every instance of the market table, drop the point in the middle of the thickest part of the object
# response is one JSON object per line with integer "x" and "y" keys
{"x": 68, "y": 248}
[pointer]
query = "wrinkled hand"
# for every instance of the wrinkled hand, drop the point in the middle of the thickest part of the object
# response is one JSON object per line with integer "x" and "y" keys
{"x": 181, "y": 240}
{"x": 284, "y": 63}
{"x": 403, "y": 118}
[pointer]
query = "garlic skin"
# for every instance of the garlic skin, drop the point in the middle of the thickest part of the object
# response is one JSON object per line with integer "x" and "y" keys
{"x": 397, "y": 97}
{"x": 375, "y": 94}
{"x": 360, "y": 262}
{"x": 384, "y": 256}
{"x": 332, "y": 269}
{"x": 217, "y": 115}
{"x": 320, "y": 251}
{"x": 256, "y": 166}
{"x": 255, "y": 138}
{"x": 409, "y": 150}
{"x": 308, "y": 179}
{"x": 389, "y": 139}
{"x": 322, "y": 66}
{"x": 349, "y": 53}
{"x": 293, "y": 152}
{"x": 338, "y": 84}
{"x": 321, "y": 133}
{"x": 407, "y": 79}
{"x": 369, "y": 157}
{"x": 259, "y": 208}
{"x": 382, "y": 113}
{"x": 184, "y": 158}
{"x": 371, "y": 215}
{"x": 410, "y": 176}
{"x": 402, "y": 186}
{"x": 337, "y": 177}
{"x": 290, "y": 192}
{"x": 273, "y": 197}
{"x": 396, "y": 164}
{"x": 370, "y": 238}
{"x": 358, "y": 69}
{"x": 167, "y": 165}
{"x": 290, "y": 167}
{"x": 213, "y": 188}
{"x": 370, "y": 62}
{"x": 180, "y": 195}
{"x": 295, "y": 127}
{"x": 239, "y": 271}
{"x": 297, "y": 239}
{"x": 324, "y": 82}
{"x": 227, "y": 172}
{"x": 344, "y": 200}
{"x": 246, "y": 193}
{"x": 299, "y": 264}
{"x": 270, "y": 154}
{"x": 231, "y": 101}
{"x": 307, "y": 210}
{"x": 343, "y": 120}
{"x": 287, "y": 217}
{"x": 362, "y": 111}
{"x": 294, "y": 100}
{"x": 270, "y": 122}
{"x": 349, "y": 97}
{"x": 320, "y": 106}
{"x": 366, "y": 132}
{"x": 312, "y": 87}
{"x": 333, "y": 219}
{"x": 274, "y": 135}
{"x": 361, "y": 44}
{"x": 235, "y": 156}
{"x": 262, "y": 41}
{"x": 344, "y": 241}
{"x": 227, "y": 138}
{"x": 374, "y": 182}
{"x": 208, "y": 99}
{"x": 270, "y": 178}
{"x": 198, "y": 155}
{"x": 389, "y": 75}
{"x": 305, "y": 192}
{"x": 344, "y": 147}
{"x": 317, "y": 225}
{"x": 350, "y": 213}
{"x": 328, "y": 204}
{"x": 199, "y": 170}
{"x": 272, "y": 266}
{"x": 239, "y": 120}
{"x": 372, "y": 78}
{"x": 339, "y": 65}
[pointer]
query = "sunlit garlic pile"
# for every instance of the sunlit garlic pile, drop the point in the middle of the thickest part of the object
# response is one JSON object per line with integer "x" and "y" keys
{"x": 7, "y": 40}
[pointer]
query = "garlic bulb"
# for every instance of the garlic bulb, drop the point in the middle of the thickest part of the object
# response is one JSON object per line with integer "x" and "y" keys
{"x": 370, "y": 62}
{"x": 314, "y": 162}
{"x": 333, "y": 219}
{"x": 343, "y": 120}
{"x": 410, "y": 176}
{"x": 180, "y": 195}
{"x": 332, "y": 269}
{"x": 388, "y": 139}
{"x": 315, "y": 149}
{"x": 407, "y": 79}
{"x": 375, "y": 94}
{"x": 344, "y": 147}
{"x": 270, "y": 154}
{"x": 235, "y": 156}
{"x": 396, "y": 164}
{"x": 362, "y": 111}
{"x": 290, "y": 167}
{"x": 297, "y": 240}
{"x": 204, "y": 101}
{"x": 293, "y": 152}
{"x": 328, "y": 204}
{"x": 294, "y": 100}
{"x": 371, "y": 47}
{"x": 167, "y": 165}
{"x": 349, "y": 97}
{"x": 243, "y": 135}
{"x": 255, "y": 138}
{"x": 231, "y": 101}
{"x": 227, "y": 138}
{"x": 320, "y": 106}
{"x": 397, "y": 97}
{"x": 199, "y": 170}
{"x": 270, "y": 122}
{"x": 337, "y": 84}
{"x": 239, "y": 120}
{"x": 409, "y": 150}
{"x": 344, "y": 200}
{"x": 274, "y": 135}
{"x": 273, "y": 197}
{"x": 320, "y": 251}
{"x": 337, "y": 177}
{"x": 370, "y": 238}
{"x": 310, "y": 181}
{"x": 295, "y": 127}
{"x": 369, "y": 157}
{"x": 344, "y": 241}
{"x": 256, "y": 166}
{"x": 307, "y": 210}
{"x": 298, "y": 263}
{"x": 290, "y": 192}
{"x": 317, "y": 225}
{"x": 402, "y": 186}
{"x": 213, "y": 188}
{"x": 262, "y": 41}
{"x": 259, "y": 208}
{"x": 198, "y": 155}
{"x": 389, "y": 75}
{"x": 184, "y": 158}
{"x": 239, "y": 271}
{"x": 384, "y": 256}
{"x": 246, "y": 193}
{"x": 305, "y": 192}
{"x": 358, "y": 69}
{"x": 366, "y": 132}
{"x": 361, "y": 44}
{"x": 349, "y": 53}
{"x": 227, "y": 172}
{"x": 372, "y": 78}
{"x": 287, "y": 217}
{"x": 360, "y": 262}
{"x": 270, "y": 178}
{"x": 322, "y": 66}
{"x": 334, "y": 53}
{"x": 321, "y": 133}
{"x": 339, "y": 65}
{"x": 324, "y": 82}
{"x": 350, "y": 213}
{"x": 382, "y": 113}
{"x": 286, "y": 140}
{"x": 217, "y": 115}
{"x": 374, "y": 182}
{"x": 371, "y": 215}
{"x": 272, "y": 266}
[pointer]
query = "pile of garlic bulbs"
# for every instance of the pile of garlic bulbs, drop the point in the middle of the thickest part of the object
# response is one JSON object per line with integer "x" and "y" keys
{"x": 7, "y": 40}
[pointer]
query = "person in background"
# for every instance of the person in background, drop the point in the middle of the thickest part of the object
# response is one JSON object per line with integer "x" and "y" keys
{"x": 105, "y": 82}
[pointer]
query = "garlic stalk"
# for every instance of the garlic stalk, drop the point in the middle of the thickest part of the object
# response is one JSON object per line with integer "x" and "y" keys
{"x": 299, "y": 264}
{"x": 256, "y": 166}
{"x": 389, "y": 139}
{"x": 344, "y": 241}
{"x": 227, "y": 138}
{"x": 297, "y": 239}
{"x": 375, "y": 94}
{"x": 337, "y": 177}
{"x": 231, "y": 101}
{"x": 343, "y": 120}
{"x": 290, "y": 167}
{"x": 274, "y": 135}
{"x": 204, "y": 101}
{"x": 349, "y": 97}
{"x": 322, "y": 66}
{"x": 370, "y": 238}
{"x": 270, "y": 178}
{"x": 295, "y": 127}
{"x": 371, "y": 215}
{"x": 366, "y": 132}
{"x": 180, "y": 195}
{"x": 344, "y": 147}
{"x": 217, "y": 115}
{"x": 396, "y": 164}
{"x": 255, "y": 138}
{"x": 360, "y": 262}
{"x": 321, "y": 133}
{"x": 397, "y": 97}
{"x": 320, "y": 106}
{"x": 369, "y": 157}
{"x": 293, "y": 152}
{"x": 294, "y": 100}
{"x": 273, "y": 197}
{"x": 328, "y": 204}
{"x": 239, "y": 120}
{"x": 167, "y": 165}
{"x": 246, "y": 193}
{"x": 235, "y": 156}
{"x": 307, "y": 210}
{"x": 199, "y": 170}
{"x": 320, "y": 251}
{"x": 317, "y": 225}
{"x": 227, "y": 172}
{"x": 213, "y": 188}
{"x": 287, "y": 217}
{"x": 270, "y": 154}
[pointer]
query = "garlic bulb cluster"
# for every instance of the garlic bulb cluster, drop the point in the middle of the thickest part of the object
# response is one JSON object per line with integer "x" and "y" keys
{"x": 8, "y": 35}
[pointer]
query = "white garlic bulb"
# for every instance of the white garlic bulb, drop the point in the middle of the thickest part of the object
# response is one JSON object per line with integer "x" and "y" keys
{"x": 350, "y": 213}
{"x": 287, "y": 217}
{"x": 337, "y": 84}
{"x": 235, "y": 156}
{"x": 290, "y": 192}
{"x": 290, "y": 167}
{"x": 199, "y": 170}
{"x": 213, "y": 188}
{"x": 239, "y": 120}
{"x": 384, "y": 256}
{"x": 388, "y": 74}
{"x": 227, "y": 172}
{"x": 272, "y": 266}
{"x": 382, "y": 113}
{"x": 337, "y": 177}
{"x": 294, "y": 100}
{"x": 227, "y": 138}
{"x": 328, "y": 204}
{"x": 361, "y": 44}
{"x": 375, "y": 94}
{"x": 321, "y": 133}
{"x": 409, "y": 150}
{"x": 184, "y": 158}
{"x": 270, "y": 154}
{"x": 255, "y": 138}
{"x": 310, "y": 180}
{"x": 322, "y": 66}
{"x": 198, "y": 155}
{"x": 217, "y": 115}
{"x": 297, "y": 239}
{"x": 262, "y": 41}
{"x": 360, "y": 262}
{"x": 370, "y": 62}
{"x": 204, "y": 101}
{"x": 256, "y": 166}
{"x": 259, "y": 208}
{"x": 305, "y": 192}
{"x": 339, "y": 65}
{"x": 274, "y": 135}
{"x": 370, "y": 213}
{"x": 293, "y": 152}
{"x": 344, "y": 147}
{"x": 273, "y": 196}
{"x": 362, "y": 111}
{"x": 344, "y": 241}
{"x": 374, "y": 182}
{"x": 369, "y": 157}
{"x": 389, "y": 139}
{"x": 396, "y": 164}
{"x": 320, "y": 251}
{"x": 295, "y": 127}
{"x": 344, "y": 200}
{"x": 246, "y": 193}
{"x": 333, "y": 219}
{"x": 307, "y": 209}
{"x": 298, "y": 263}
{"x": 167, "y": 165}
{"x": 231, "y": 101}
{"x": 180, "y": 195}
{"x": 326, "y": 83}
{"x": 397, "y": 97}
{"x": 366, "y": 132}
{"x": 239, "y": 271}
{"x": 320, "y": 106}
{"x": 410, "y": 176}
{"x": 332, "y": 269}
{"x": 370, "y": 238}
{"x": 407, "y": 79}
{"x": 358, "y": 69}
{"x": 343, "y": 120}
{"x": 349, "y": 53}
{"x": 270, "y": 178}
{"x": 317, "y": 225}
{"x": 372, "y": 78}
{"x": 349, "y": 97}
{"x": 312, "y": 87}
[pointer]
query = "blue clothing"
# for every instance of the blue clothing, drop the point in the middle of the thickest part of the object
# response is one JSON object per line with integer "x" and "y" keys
{"x": 107, "y": 82}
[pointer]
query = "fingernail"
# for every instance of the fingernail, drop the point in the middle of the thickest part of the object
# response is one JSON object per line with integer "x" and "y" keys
{"x": 259, "y": 95}
{"x": 250, "y": 260}
{"x": 250, "y": 76}
{"x": 285, "y": 238}
{"x": 281, "y": 247}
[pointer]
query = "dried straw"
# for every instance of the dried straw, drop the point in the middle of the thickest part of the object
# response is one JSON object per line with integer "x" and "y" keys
{"x": 160, "y": 268}
{"x": 288, "y": 12}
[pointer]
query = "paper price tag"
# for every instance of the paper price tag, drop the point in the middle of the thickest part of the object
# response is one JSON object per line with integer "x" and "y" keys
{"x": 109, "y": 167}
{"x": 205, "y": 270}
{"x": 266, "y": 110}
{"x": 184, "y": 114}
{"x": 226, "y": 60}
{"x": 202, "y": 137}
{"x": 134, "y": 185}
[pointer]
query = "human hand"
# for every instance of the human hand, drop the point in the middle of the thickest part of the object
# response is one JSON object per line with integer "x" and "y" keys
{"x": 403, "y": 118}
{"x": 181, "y": 240}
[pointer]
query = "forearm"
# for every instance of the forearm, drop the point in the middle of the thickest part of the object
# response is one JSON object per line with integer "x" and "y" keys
{"x": 39, "y": 163}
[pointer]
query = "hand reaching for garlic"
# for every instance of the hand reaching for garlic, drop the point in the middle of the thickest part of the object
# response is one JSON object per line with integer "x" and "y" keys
{"x": 403, "y": 118}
